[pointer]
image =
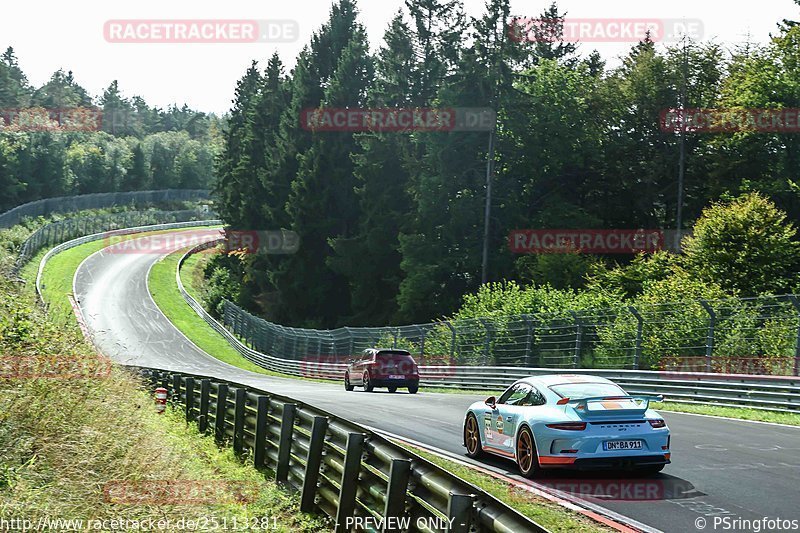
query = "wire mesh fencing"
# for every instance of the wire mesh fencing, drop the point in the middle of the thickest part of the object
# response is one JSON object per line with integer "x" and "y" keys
{"x": 71, "y": 228}
{"x": 737, "y": 336}
{"x": 69, "y": 204}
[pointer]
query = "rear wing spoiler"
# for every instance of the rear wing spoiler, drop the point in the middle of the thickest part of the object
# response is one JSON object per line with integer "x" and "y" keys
{"x": 613, "y": 403}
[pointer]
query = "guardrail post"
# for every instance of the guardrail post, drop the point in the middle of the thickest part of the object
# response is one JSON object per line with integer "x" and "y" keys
{"x": 316, "y": 444}
{"x": 262, "y": 418}
{"x": 796, "y": 304}
{"x": 189, "y": 398}
{"x": 489, "y": 327}
{"x": 578, "y": 339}
{"x": 285, "y": 443}
{"x": 238, "y": 420}
{"x": 399, "y": 473}
{"x": 637, "y": 350}
{"x": 528, "y": 339}
{"x": 176, "y": 388}
{"x": 712, "y": 322}
{"x": 205, "y": 395}
{"x": 395, "y": 334}
{"x": 221, "y": 412}
{"x": 349, "y": 486}
{"x": 459, "y": 512}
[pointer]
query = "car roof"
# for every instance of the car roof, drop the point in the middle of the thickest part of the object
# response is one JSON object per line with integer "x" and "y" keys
{"x": 560, "y": 379}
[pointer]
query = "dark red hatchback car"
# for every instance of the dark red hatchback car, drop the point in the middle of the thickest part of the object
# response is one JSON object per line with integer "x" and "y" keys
{"x": 378, "y": 367}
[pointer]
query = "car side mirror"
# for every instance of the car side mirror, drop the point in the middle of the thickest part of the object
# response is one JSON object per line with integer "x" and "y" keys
{"x": 349, "y": 361}
{"x": 491, "y": 401}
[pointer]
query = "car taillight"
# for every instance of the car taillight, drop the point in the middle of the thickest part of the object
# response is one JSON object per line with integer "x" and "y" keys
{"x": 657, "y": 423}
{"x": 568, "y": 426}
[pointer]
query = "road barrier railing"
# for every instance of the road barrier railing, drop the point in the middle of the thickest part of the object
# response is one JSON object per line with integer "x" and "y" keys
{"x": 773, "y": 393}
{"x": 339, "y": 468}
{"x": 68, "y": 204}
{"x": 71, "y": 228}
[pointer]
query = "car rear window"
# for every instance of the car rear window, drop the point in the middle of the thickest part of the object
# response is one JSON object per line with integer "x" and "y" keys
{"x": 392, "y": 355}
{"x": 578, "y": 391}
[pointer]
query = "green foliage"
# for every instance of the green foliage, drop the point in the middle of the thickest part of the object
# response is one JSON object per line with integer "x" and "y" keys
{"x": 747, "y": 246}
{"x": 392, "y": 223}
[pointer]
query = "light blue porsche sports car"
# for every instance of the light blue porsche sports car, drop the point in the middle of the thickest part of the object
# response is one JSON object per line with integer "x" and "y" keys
{"x": 569, "y": 421}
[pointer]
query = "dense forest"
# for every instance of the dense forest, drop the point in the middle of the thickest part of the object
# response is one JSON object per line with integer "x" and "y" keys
{"x": 392, "y": 223}
{"x": 128, "y": 146}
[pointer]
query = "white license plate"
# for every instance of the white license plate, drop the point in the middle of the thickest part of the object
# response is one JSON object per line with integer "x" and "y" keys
{"x": 616, "y": 445}
{"x": 393, "y": 376}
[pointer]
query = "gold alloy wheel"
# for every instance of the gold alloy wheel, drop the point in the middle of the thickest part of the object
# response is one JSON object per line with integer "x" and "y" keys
{"x": 472, "y": 434}
{"x": 525, "y": 451}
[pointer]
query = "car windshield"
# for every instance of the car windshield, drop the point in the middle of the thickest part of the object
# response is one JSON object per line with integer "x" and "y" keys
{"x": 578, "y": 391}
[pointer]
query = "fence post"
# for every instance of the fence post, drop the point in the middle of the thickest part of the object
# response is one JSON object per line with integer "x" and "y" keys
{"x": 578, "y": 339}
{"x": 205, "y": 395}
{"x": 489, "y": 327}
{"x": 221, "y": 412}
{"x": 459, "y": 512}
{"x": 796, "y": 304}
{"x": 421, "y": 342}
{"x": 452, "y": 340}
{"x": 350, "y": 333}
{"x": 712, "y": 322}
{"x": 399, "y": 473}
{"x": 528, "y": 339}
{"x": 349, "y": 486}
{"x": 637, "y": 350}
{"x": 262, "y": 418}
{"x": 316, "y": 445}
{"x": 238, "y": 420}
{"x": 189, "y": 398}
{"x": 285, "y": 443}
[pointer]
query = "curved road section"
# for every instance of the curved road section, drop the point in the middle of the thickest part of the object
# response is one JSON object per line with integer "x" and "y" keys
{"x": 722, "y": 471}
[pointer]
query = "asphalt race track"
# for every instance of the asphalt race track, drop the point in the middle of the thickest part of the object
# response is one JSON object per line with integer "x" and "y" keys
{"x": 721, "y": 468}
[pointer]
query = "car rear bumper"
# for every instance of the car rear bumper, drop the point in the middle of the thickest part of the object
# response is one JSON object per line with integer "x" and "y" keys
{"x": 631, "y": 462}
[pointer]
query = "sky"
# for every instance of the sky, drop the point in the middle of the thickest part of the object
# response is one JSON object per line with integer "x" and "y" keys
{"x": 48, "y": 35}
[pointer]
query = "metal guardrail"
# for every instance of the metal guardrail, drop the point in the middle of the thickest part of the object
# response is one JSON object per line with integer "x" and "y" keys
{"x": 70, "y": 228}
{"x": 97, "y": 236}
{"x": 339, "y": 468}
{"x": 773, "y": 393}
{"x": 66, "y": 204}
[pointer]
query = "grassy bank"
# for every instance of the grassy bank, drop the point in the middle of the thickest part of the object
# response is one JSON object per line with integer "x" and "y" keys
{"x": 71, "y": 429}
{"x": 164, "y": 290}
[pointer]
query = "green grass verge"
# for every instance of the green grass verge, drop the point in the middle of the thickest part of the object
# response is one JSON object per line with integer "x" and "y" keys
{"x": 164, "y": 290}
{"x": 548, "y": 514}
{"x": 742, "y": 413}
{"x": 69, "y": 434}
